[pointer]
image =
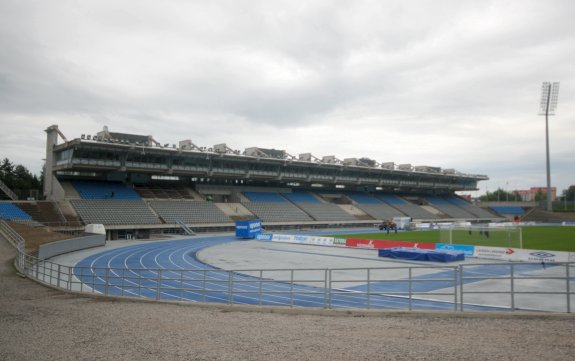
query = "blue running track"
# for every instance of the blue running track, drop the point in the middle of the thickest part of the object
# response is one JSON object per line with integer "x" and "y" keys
{"x": 136, "y": 271}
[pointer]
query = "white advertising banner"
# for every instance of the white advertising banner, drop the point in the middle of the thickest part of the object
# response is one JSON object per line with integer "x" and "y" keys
{"x": 499, "y": 253}
{"x": 520, "y": 255}
{"x": 322, "y": 241}
{"x": 529, "y": 255}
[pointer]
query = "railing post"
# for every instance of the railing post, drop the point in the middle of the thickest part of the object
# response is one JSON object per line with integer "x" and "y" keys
{"x": 568, "y": 289}
{"x": 461, "y": 287}
{"x": 291, "y": 288}
{"x": 69, "y": 278}
{"x": 159, "y": 284}
{"x": 260, "y": 288}
{"x": 106, "y": 281}
{"x": 181, "y": 285}
{"x": 204, "y": 287}
{"x": 58, "y": 275}
{"x": 368, "y": 288}
{"x": 325, "y": 288}
{"x": 123, "y": 284}
{"x": 455, "y": 289}
{"x": 230, "y": 288}
{"x": 330, "y": 290}
{"x": 512, "y": 278}
{"x": 81, "y": 279}
{"x": 409, "y": 286}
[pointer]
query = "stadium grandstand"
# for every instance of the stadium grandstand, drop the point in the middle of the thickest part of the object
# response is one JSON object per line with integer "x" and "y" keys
{"x": 137, "y": 186}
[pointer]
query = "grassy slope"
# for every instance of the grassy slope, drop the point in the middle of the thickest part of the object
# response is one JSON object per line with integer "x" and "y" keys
{"x": 546, "y": 238}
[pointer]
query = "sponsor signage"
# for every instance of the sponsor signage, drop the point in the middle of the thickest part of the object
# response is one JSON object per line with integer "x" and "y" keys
{"x": 529, "y": 255}
{"x": 467, "y": 250}
{"x": 377, "y": 243}
{"x": 264, "y": 236}
{"x": 520, "y": 255}
{"x": 499, "y": 253}
{"x": 322, "y": 241}
{"x": 339, "y": 241}
{"x": 248, "y": 229}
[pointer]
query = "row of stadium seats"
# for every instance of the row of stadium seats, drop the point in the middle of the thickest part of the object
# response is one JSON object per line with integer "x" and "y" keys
{"x": 104, "y": 190}
{"x": 379, "y": 205}
{"x": 326, "y": 211}
{"x": 189, "y": 212}
{"x": 277, "y": 211}
{"x": 301, "y": 197}
{"x": 264, "y": 197}
{"x": 11, "y": 212}
{"x": 110, "y": 212}
{"x": 448, "y": 208}
{"x": 380, "y": 211}
{"x": 297, "y": 206}
{"x": 508, "y": 210}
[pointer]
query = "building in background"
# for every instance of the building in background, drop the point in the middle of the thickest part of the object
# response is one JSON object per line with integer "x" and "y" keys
{"x": 530, "y": 195}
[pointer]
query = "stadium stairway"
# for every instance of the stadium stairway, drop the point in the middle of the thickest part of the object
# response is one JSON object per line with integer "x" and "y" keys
{"x": 44, "y": 212}
{"x": 236, "y": 211}
{"x": 356, "y": 211}
{"x": 69, "y": 191}
{"x": 543, "y": 216}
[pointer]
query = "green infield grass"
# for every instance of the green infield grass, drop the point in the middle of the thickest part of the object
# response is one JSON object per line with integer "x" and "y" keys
{"x": 552, "y": 238}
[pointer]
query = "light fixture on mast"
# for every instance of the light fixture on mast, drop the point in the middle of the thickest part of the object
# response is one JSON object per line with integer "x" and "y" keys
{"x": 549, "y": 96}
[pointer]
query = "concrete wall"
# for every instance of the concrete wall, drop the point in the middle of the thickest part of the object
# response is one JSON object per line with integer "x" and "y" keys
{"x": 70, "y": 245}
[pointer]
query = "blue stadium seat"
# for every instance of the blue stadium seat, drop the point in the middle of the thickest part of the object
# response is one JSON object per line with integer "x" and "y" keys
{"x": 301, "y": 197}
{"x": 104, "y": 190}
{"x": 507, "y": 210}
{"x": 457, "y": 201}
{"x": 439, "y": 201}
{"x": 391, "y": 199}
{"x": 264, "y": 197}
{"x": 362, "y": 198}
{"x": 10, "y": 212}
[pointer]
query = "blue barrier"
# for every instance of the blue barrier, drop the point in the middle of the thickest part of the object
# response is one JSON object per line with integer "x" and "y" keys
{"x": 265, "y": 236}
{"x": 248, "y": 229}
{"x": 466, "y": 249}
{"x": 416, "y": 254}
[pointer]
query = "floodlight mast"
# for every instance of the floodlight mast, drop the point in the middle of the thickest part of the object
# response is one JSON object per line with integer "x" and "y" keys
{"x": 549, "y": 96}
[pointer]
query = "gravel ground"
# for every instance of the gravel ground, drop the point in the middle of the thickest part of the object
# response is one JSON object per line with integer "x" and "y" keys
{"x": 38, "y": 323}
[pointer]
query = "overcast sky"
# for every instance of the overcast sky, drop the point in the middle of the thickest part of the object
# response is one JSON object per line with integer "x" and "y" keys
{"x": 454, "y": 84}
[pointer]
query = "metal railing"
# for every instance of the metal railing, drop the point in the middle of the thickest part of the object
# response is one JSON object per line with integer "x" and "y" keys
{"x": 8, "y": 191}
{"x": 487, "y": 287}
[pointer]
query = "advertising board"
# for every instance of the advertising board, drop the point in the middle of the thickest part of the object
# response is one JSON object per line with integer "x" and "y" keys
{"x": 520, "y": 255}
{"x": 264, "y": 236}
{"x": 248, "y": 229}
{"x": 289, "y": 238}
{"x": 467, "y": 250}
{"x": 377, "y": 243}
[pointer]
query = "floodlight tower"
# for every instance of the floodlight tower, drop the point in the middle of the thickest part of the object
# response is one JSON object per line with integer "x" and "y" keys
{"x": 549, "y": 96}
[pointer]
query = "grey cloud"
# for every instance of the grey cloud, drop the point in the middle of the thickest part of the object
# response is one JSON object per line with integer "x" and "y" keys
{"x": 453, "y": 84}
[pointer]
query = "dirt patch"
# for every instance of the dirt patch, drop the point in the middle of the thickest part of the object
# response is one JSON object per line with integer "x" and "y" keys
{"x": 37, "y": 236}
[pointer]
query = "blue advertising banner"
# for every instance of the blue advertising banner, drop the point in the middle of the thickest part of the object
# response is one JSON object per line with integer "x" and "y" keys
{"x": 468, "y": 250}
{"x": 264, "y": 236}
{"x": 248, "y": 229}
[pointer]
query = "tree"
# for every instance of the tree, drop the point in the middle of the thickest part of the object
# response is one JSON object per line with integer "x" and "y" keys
{"x": 18, "y": 178}
{"x": 500, "y": 195}
{"x": 540, "y": 196}
{"x": 7, "y": 172}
